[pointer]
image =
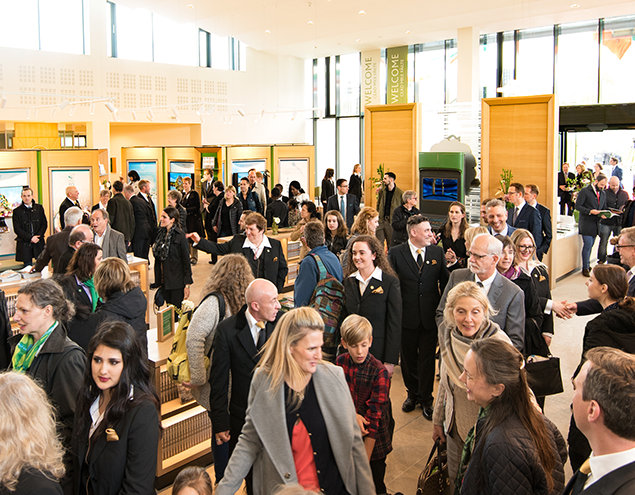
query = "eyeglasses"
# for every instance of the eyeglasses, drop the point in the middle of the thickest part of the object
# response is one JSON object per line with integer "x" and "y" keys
{"x": 470, "y": 254}
{"x": 526, "y": 248}
{"x": 618, "y": 246}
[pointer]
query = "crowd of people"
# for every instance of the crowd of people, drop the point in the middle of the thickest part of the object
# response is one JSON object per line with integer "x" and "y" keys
{"x": 299, "y": 403}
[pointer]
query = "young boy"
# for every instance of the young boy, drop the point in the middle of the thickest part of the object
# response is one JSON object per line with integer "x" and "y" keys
{"x": 369, "y": 384}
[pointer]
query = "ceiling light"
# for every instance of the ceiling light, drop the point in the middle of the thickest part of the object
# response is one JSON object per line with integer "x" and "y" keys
{"x": 408, "y": 31}
{"x": 91, "y": 108}
{"x": 240, "y": 112}
{"x": 357, "y": 40}
{"x": 190, "y": 5}
{"x": 574, "y": 6}
{"x": 362, "y": 12}
{"x": 309, "y": 22}
{"x": 267, "y": 31}
{"x": 64, "y": 104}
{"x": 150, "y": 114}
{"x": 3, "y": 101}
{"x": 111, "y": 107}
{"x": 134, "y": 115}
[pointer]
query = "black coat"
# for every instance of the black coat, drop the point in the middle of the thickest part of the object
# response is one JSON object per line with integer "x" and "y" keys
{"x": 279, "y": 209}
{"x": 457, "y": 246}
{"x": 5, "y": 333}
{"x": 145, "y": 218}
{"x": 421, "y": 290}
{"x": 335, "y": 244}
{"x": 275, "y": 264}
{"x": 352, "y": 207}
{"x": 34, "y": 482}
{"x": 618, "y": 482}
{"x": 528, "y": 219}
{"x": 80, "y": 329}
{"x": 59, "y": 369}
{"x": 175, "y": 272}
{"x": 507, "y": 463}
{"x": 56, "y": 246}
{"x": 399, "y": 220}
{"x": 328, "y": 189}
{"x": 534, "y": 341}
{"x": 562, "y": 181}
{"x": 251, "y": 202}
{"x": 381, "y": 305}
{"x": 125, "y": 466}
{"x": 65, "y": 205}
{"x": 587, "y": 200}
{"x": 235, "y": 210}
{"x": 547, "y": 231}
{"x": 129, "y": 307}
{"x": 28, "y": 222}
{"x": 192, "y": 204}
{"x": 355, "y": 187}
{"x": 233, "y": 353}
{"x": 122, "y": 217}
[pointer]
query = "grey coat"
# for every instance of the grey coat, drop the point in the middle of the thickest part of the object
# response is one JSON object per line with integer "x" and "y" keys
{"x": 264, "y": 441}
{"x": 504, "y": 296}
{"x": 114, "y": 244}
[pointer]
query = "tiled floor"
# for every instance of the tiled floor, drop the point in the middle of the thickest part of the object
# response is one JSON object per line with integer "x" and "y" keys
{"x": 412, "y": 439}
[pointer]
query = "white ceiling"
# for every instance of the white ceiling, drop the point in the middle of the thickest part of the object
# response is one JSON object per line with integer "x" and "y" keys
{"x": 317, "y": 28}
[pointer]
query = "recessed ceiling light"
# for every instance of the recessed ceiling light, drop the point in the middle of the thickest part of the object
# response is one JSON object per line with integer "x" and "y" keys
{"x": 408, "y": 31}
{"x": 357, "y": 40}
{"x": 309, "y": 22}
{"x": 574, "y": 6}
{"x": 362, "y": 12}
{"x": 190, "y": 5}
{"x": 267, "y": 31}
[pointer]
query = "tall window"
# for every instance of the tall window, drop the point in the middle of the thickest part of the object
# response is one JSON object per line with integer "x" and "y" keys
{"x": 577, "y": 63}
{"x": 617, "y": 61}
{"x": 134, "y": 33}
{"x": 220, "y": 52}
{"x": 204, "y": 49}
{"x": 348, "y": 84}
{"x": 174, "y": 42}
{"x": 534, "y": 63}
{"x": 487, "y": 65}
{"x": 430, "y": 74}
{"x": 348, "y": 140}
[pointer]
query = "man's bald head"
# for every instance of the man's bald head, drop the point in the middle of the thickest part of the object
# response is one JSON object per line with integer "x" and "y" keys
{"x": 614, "y": 184}
{"x": 262, "y": 299}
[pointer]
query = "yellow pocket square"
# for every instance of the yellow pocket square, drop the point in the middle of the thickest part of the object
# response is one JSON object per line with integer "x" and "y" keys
{"x": 275, "y": 259}
{"x": 542, "y": 278}
{"x": 378, "y": 290}
{"x": 111, "y": 435}
{"x": 434, "y": 262}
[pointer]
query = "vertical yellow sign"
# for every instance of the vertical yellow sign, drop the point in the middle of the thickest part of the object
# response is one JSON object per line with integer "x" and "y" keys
{"x": 397, "y": 75}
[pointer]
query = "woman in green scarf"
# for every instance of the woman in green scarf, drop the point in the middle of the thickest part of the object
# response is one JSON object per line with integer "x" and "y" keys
{"x": 466, "y": 319}
{"x": 79, "y": 288}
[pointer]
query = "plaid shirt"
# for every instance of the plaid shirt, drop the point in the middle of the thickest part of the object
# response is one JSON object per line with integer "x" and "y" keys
{"x": 370, "y": 387}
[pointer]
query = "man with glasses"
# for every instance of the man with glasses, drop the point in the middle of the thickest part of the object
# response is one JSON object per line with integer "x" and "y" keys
{"x": 626, "y": 247}
{"x": 504, "y": 296}
{"x": 522, "y": 215}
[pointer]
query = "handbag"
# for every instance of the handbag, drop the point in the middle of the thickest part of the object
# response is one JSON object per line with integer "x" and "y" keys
{"x": 434, "y": 480}
{"x": 159, "y": 298}
{"x": 543, "y": 375}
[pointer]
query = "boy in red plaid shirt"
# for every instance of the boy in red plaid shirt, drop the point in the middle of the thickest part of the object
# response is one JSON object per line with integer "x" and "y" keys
{"x": 369, "y": 384}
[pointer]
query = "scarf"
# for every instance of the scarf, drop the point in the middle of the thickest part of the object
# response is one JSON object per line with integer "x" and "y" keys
{"x": 162, "y": 244}
{"x": 512, "y": 273}
{"x": 94, "y": 297}
{"x": 468, "y": 450}
{"x": 27, "y": 349}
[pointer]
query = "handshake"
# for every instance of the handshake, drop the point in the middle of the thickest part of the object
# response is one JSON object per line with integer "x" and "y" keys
{"x": 564, "y": 309}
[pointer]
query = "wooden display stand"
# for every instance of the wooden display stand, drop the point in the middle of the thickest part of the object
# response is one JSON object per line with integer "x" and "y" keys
{"x": 290, "y": 152}
{"x": 391, "y": 138}
{"x": 519, "y": 134}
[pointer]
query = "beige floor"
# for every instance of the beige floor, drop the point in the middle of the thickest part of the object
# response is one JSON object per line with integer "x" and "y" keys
{"x": 412, "y": 439}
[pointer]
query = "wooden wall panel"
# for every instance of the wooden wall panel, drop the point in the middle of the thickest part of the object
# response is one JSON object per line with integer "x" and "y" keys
{"x": 392, "y": 138}
{"x": 36, "y": 135}
{"x": 519, "y": 134}
{"x": 295, "y": 151}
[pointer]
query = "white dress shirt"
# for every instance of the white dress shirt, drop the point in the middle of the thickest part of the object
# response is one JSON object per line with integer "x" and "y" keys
{"x": 601, "y": 465}
{"x": 377, "y": 273}
{"x": 487, "y": 283}
{"x": 257, "y": 250}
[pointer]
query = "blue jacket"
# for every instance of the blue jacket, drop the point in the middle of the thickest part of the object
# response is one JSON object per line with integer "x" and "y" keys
{"x": 308, "y": 275}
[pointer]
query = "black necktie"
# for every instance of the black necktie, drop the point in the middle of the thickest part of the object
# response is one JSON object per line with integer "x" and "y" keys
{"x": 480, "y": 284}
{"x": 262, "y": 335}
{"x": 419, "y": 259}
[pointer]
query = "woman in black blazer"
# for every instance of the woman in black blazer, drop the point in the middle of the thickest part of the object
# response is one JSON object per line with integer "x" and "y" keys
{"x": 356, "y": 184}
{"x": 371, "y": 289}
{"x": 172, "y": 269}
{"x": 335, "y": 232}
{"x": 116, "y": 431}
{"x": 328, "y": 187}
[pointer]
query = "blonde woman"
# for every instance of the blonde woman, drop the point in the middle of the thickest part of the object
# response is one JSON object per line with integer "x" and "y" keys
{"x": 301, "y": 425}
{"x": 466, "y": 318}
{"x": 30, "y": 451}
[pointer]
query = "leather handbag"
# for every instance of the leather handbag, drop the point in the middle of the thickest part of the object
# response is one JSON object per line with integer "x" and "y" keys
{"x": 434, "y": 480}
{"x": 543, "y": 375}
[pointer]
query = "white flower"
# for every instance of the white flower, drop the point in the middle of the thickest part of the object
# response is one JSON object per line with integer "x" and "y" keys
{"x": 276, "y": 219}
{"x": 187, "y": 305}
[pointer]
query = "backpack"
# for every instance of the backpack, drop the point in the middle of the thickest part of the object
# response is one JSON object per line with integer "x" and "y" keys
{"x": 328, "y": 300}
{"x": 178, "y": 365}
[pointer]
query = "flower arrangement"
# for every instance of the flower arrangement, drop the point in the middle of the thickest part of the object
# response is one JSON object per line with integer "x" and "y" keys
{"x": 274, "y": 225}
{"x": 576, "y": 185}
{"x": 506, "y": 178}
{"x": 5, "y": 211}
{"x": 378, "y": 182}
{"x": 106, "y": 185}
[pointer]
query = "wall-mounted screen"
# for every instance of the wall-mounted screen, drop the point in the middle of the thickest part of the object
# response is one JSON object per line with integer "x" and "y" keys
{"x": 147, "y": 169}
{"x": 182, "y": 166}
{"x": 11, "y": 183}
{"x": 175, "y": 180}
{"x": 241, "y": 168}
{"x": 294, "y": 169}
{"x": 60, "y": 179}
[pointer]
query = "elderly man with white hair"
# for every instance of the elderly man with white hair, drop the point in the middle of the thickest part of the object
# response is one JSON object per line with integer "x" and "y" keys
{"x": 504, "y": 295}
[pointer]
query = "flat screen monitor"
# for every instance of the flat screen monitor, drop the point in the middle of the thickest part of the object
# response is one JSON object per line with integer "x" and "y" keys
{"x": 175, "y": 180}
{"x": 440, "y": 189}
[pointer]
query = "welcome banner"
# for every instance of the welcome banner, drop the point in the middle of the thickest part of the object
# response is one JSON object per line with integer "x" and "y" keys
{"x": 397, "y": 75}
{"x": 369, "y": 76}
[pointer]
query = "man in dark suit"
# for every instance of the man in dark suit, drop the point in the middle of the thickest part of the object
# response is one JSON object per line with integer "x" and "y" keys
{"x": 112, "y": 242}
{"x": 104, "y": 197}
{"x": 56, "y": 244}
{"x": 401, "y": 215}
{"x": 145, "y": 217}
{"x": 563, "y": 194}
{"x": 212, "y": 198}
{"x": 237, "y": 341}
{"x": 343, "y": 202}
{"x": 420, "y": 266}
{"x": 121, "y": 213}
{"x": 602, "y": 417}
{"x": 278, "y": 209}
{"x": 504, "y": 295}
{"x": 193, "y": 221}
{"x": 531, "y": 197}
{"x": 591, "y": 200}
{"x": 71, "y": 199}
{"x": 496, "y": 217}
{"x": 616, "y": 198}
{"x": 29, "y": 225}
{"x": 79, "y": 235}
{"x": 265, "y": 255}
{"x": 616, "y": 170}
{"x": 523, "y": 216}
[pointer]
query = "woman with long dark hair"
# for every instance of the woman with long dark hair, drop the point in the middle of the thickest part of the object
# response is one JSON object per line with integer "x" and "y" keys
{"x": 308, "y": 212}
{"x": 613, "y": 327}
{"x": 116, "y": 432}
{"x": 452, "y": 236}
{"x": 296, "y": 191}
{"x": 79, "y": 287}
{"x": 513, "y": 449}
{"x": 335, "y": 231}
{"x": 172, "y": 269}
{"x": 328, "y": 187}
{"x": 371, "y": 290}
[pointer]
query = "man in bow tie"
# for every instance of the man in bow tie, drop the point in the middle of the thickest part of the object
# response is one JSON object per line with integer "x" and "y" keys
{"x": 603, "y": 405}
